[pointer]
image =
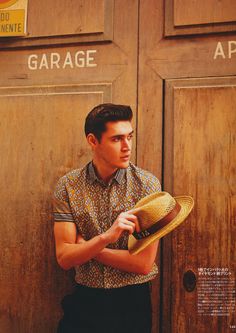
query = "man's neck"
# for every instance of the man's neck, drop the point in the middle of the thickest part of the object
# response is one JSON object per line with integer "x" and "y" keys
{"x": 104, "y": 172}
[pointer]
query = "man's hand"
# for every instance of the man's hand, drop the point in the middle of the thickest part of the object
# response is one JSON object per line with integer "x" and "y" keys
{"x": 126, "y": 221}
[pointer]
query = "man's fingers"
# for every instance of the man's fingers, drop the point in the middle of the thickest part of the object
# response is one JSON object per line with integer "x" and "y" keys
{"x": 128, "y": 225}
{"x": 132, "y": 211}
{"x": 134, "y": 219}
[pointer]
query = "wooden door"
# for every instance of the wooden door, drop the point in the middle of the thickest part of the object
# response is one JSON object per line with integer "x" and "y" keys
{"x": 200, "y": 159}
{"x": 172, "y": 60}
{"x": 187, "y": 62}
{"x": 82, "y": 55}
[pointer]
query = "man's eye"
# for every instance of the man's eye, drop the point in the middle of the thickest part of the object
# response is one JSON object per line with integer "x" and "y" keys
{"x": 130, "y": 137}
{"x": 116, "y": 139}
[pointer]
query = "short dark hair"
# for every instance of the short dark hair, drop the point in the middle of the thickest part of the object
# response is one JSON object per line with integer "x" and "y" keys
{"x": 97, "y": 118}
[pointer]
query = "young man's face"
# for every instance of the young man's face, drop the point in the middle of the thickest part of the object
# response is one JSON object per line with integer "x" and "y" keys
{"x": 114, "y": 148}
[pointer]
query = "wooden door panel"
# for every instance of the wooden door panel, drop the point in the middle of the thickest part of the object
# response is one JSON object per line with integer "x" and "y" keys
{"x": 203, "y": 12}
{"x": 42, "y": 111}
{"x": 41, "y": 135}
{"x": 184, "y": 17}
{"x": 200, "y": 125}
{"x": 73, "y": 21}
{"x": 175, "y": 49}
{"x": 75, "y": 17}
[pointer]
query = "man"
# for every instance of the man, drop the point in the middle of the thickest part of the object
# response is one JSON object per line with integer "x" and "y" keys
{"x": 93, "y": 220}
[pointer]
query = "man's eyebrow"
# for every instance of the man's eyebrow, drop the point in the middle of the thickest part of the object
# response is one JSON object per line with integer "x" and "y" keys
{"x": 121, "y": 135}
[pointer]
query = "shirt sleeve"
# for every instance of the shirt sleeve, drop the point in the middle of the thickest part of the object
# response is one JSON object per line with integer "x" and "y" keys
{"x": 61, "y": 206}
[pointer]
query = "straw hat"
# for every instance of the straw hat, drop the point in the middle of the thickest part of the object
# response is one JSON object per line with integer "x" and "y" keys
{"x": 158, "y": 214}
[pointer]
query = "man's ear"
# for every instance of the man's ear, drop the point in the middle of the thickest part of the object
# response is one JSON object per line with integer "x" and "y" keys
{"x": 92, "y": 140}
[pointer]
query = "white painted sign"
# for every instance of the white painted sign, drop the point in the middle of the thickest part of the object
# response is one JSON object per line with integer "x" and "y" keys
{"x": 55, "y": 60}
{"x": 223, "y": 51}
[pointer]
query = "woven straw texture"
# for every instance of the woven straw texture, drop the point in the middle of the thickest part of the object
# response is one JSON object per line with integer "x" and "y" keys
{"x": 151, "y": 209}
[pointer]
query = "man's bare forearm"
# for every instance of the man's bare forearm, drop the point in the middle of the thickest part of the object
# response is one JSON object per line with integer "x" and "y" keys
{"x": 121, "y": 259}
{"x": 71, "y": 254}
{"x": 73, "y": 250}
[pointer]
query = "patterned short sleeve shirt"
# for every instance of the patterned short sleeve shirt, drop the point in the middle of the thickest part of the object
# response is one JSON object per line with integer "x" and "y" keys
{"x": 82, "y": 198}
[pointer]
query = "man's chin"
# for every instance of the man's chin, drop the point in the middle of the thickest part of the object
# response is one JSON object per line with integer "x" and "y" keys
{"x": 123, "y": 165}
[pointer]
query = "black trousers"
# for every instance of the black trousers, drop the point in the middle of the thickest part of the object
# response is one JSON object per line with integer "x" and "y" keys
{"x": 118, "y": 310}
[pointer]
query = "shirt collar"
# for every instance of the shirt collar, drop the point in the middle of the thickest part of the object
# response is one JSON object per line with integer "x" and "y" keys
{"x": 119, "y": 175}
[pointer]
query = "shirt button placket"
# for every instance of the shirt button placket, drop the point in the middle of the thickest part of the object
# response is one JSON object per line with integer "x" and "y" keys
{"x": 106, "y": 221}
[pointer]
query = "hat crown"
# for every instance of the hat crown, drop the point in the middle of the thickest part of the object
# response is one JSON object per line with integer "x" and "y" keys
{"x": 153, "y": 208}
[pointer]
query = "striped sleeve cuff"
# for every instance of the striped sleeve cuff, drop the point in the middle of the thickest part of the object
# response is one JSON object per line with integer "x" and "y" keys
{"x": 63, "y": 217}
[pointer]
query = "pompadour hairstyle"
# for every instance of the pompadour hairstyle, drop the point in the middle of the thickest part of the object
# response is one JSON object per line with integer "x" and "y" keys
{"x": 97, "y": 118}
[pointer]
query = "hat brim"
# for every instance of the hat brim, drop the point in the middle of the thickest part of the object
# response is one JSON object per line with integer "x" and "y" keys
{"x": 135, "y": 246}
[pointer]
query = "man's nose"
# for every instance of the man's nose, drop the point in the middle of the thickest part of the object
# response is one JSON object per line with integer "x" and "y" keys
{"x": 126, "y": 145}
